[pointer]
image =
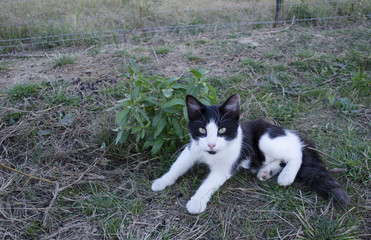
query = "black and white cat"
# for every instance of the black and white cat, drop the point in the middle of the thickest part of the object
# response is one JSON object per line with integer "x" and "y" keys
{"x": 225, "y": 144}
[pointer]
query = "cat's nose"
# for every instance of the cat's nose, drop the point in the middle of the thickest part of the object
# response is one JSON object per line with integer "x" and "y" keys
{"x": 211, "y": 146}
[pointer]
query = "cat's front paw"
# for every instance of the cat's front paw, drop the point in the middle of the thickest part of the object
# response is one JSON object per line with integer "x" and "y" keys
{"x": 285, "y": 179}
{"x": 159, "y": 185}
{"x": 195, "y": 206}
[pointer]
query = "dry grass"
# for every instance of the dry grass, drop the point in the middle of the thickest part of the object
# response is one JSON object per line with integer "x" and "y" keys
{"x": 44, "y": 24}
{"x": 55, "y": 127}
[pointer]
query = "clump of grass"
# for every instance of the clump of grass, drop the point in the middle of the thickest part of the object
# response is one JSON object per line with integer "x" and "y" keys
{"x": 162, "y": 50}
{"x": 94, "y": 51}
{"x": 200, "y": 41}
{"x": 63, "y": 60}
{"x": 142, "y": 58}
{"x": 4, "y": 66}
{"x": 122, "y": 53}
{"x": 192, "y": 57}
{"x": 253, "y": 65}
{"x": 23, "y": 90}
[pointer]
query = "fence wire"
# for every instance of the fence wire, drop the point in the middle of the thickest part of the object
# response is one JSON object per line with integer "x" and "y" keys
{"x": 34, "y": 24}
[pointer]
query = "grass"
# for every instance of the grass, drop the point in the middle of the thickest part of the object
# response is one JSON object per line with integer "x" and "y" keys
{"x": 162, "y": 50}
{"x": 62, "y": 60}
{"x": 23, "y": 90}
{"x": 4, "y": 66}
{"x": 60, "y": 130}
{"x": 192, "y": 57}
{"x": 58, "y": 23}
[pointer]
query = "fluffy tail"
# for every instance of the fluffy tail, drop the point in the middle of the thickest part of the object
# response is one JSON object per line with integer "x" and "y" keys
{"x": 314, "y": 174}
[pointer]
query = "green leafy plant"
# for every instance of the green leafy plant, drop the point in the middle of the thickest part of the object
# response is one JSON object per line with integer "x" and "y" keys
{"x": 153, "y": 111}
{"x": 361, "y": 83}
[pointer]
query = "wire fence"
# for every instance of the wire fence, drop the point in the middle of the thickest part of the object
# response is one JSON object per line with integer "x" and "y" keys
{"x": 34, "y": 24}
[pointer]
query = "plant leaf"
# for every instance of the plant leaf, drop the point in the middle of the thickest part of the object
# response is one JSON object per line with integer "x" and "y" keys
{"x": 168, "y": 92}
{"x": 178, "y": 129}
{"x": 118, "y": 137}
{"x": 174, "y": 102}
{"x": 196, "y": 73}
{"x": 156, "y": 119}
{"x": 121, "y": 115}
{"x": 144, "y": 114}
{"x": 68, "y": 119}
{"x": 137, "y": 117}
{"x": 134, "y": 66}
{"x": 161, "y": 125}
{"x": 156, "y": 146}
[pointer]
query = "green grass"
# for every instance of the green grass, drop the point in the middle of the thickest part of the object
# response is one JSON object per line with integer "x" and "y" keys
{"x": 63, "y": 60}
{"x": 23, "y": 90}
{"x": 59, "y": 130}
{"x": 192, "y": 57}
{"x": 162, "y": 50}
{"x": 4, "y": 66}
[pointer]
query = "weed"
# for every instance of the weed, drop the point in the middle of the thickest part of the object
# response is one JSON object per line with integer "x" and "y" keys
{"x": 4, "y": 66}
{"x": 344, "y": 104}
{"x": 272, "y": 54}
{"x": 123, "y": 53}
{"x": 154, "y": 105}
{"x": 304, "y": 54}
{"x": 142, "y": 59}
{"x": 162, "y": 50}
{"x": 323, "y": 227}
{"x": 200, "y": 41}
{"x": 23, "y": 90}
{"x": 252, "y": 65}
{"x": 301, "y": 12}
{"x": 361, "y": 83}
{"x": 94, "y": 51}
{"x": 280, "y": 67}
{"x": 63, "y": 60}
{"x": 192, "y": 57}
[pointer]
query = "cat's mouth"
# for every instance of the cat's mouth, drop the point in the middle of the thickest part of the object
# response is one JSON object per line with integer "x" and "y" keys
{"x": 211, "y": 152}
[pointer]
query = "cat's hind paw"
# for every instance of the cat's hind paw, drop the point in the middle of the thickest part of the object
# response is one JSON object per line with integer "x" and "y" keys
{"x": 195, "y": 206}
{"x": 264, "y": 175}
{"x": 159, "y": 185}
{"x": 285, "y": 179}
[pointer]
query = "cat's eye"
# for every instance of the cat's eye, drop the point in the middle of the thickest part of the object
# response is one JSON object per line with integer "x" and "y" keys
{"x": 222, "y": 130}
{"x": 202, "y": 130}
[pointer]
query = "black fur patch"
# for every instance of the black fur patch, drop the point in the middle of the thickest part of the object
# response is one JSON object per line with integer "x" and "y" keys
{"x": 276, "y": 132}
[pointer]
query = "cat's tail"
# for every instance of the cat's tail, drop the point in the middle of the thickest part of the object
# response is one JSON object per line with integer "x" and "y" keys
{"x": 315, "y": 175}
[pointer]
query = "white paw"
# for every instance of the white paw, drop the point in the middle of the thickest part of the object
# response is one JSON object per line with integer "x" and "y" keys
{"x": 159, "y": 185}
{"x": 196, "y": 206}
{"x": 285, "y": 179}
{"x": 264, "y": 175}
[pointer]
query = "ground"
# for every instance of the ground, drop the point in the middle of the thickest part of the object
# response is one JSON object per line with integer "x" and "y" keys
{"x": 54, "y": 125}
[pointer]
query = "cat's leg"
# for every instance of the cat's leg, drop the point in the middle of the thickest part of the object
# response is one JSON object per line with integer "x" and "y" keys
{"x": 289, "y": 172}
{"x": 183, "y": 163}
{"x": 269, "y": 170}
{"x": 287, "y": 147}
{"x": 199, "y": 201}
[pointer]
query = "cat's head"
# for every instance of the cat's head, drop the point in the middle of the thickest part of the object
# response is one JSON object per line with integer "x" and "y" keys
{"x": 213, "y": 127}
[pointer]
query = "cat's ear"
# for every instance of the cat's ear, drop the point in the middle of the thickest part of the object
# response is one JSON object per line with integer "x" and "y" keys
{"x": 232, "y": 106}
{"x": 194, "y": 107}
